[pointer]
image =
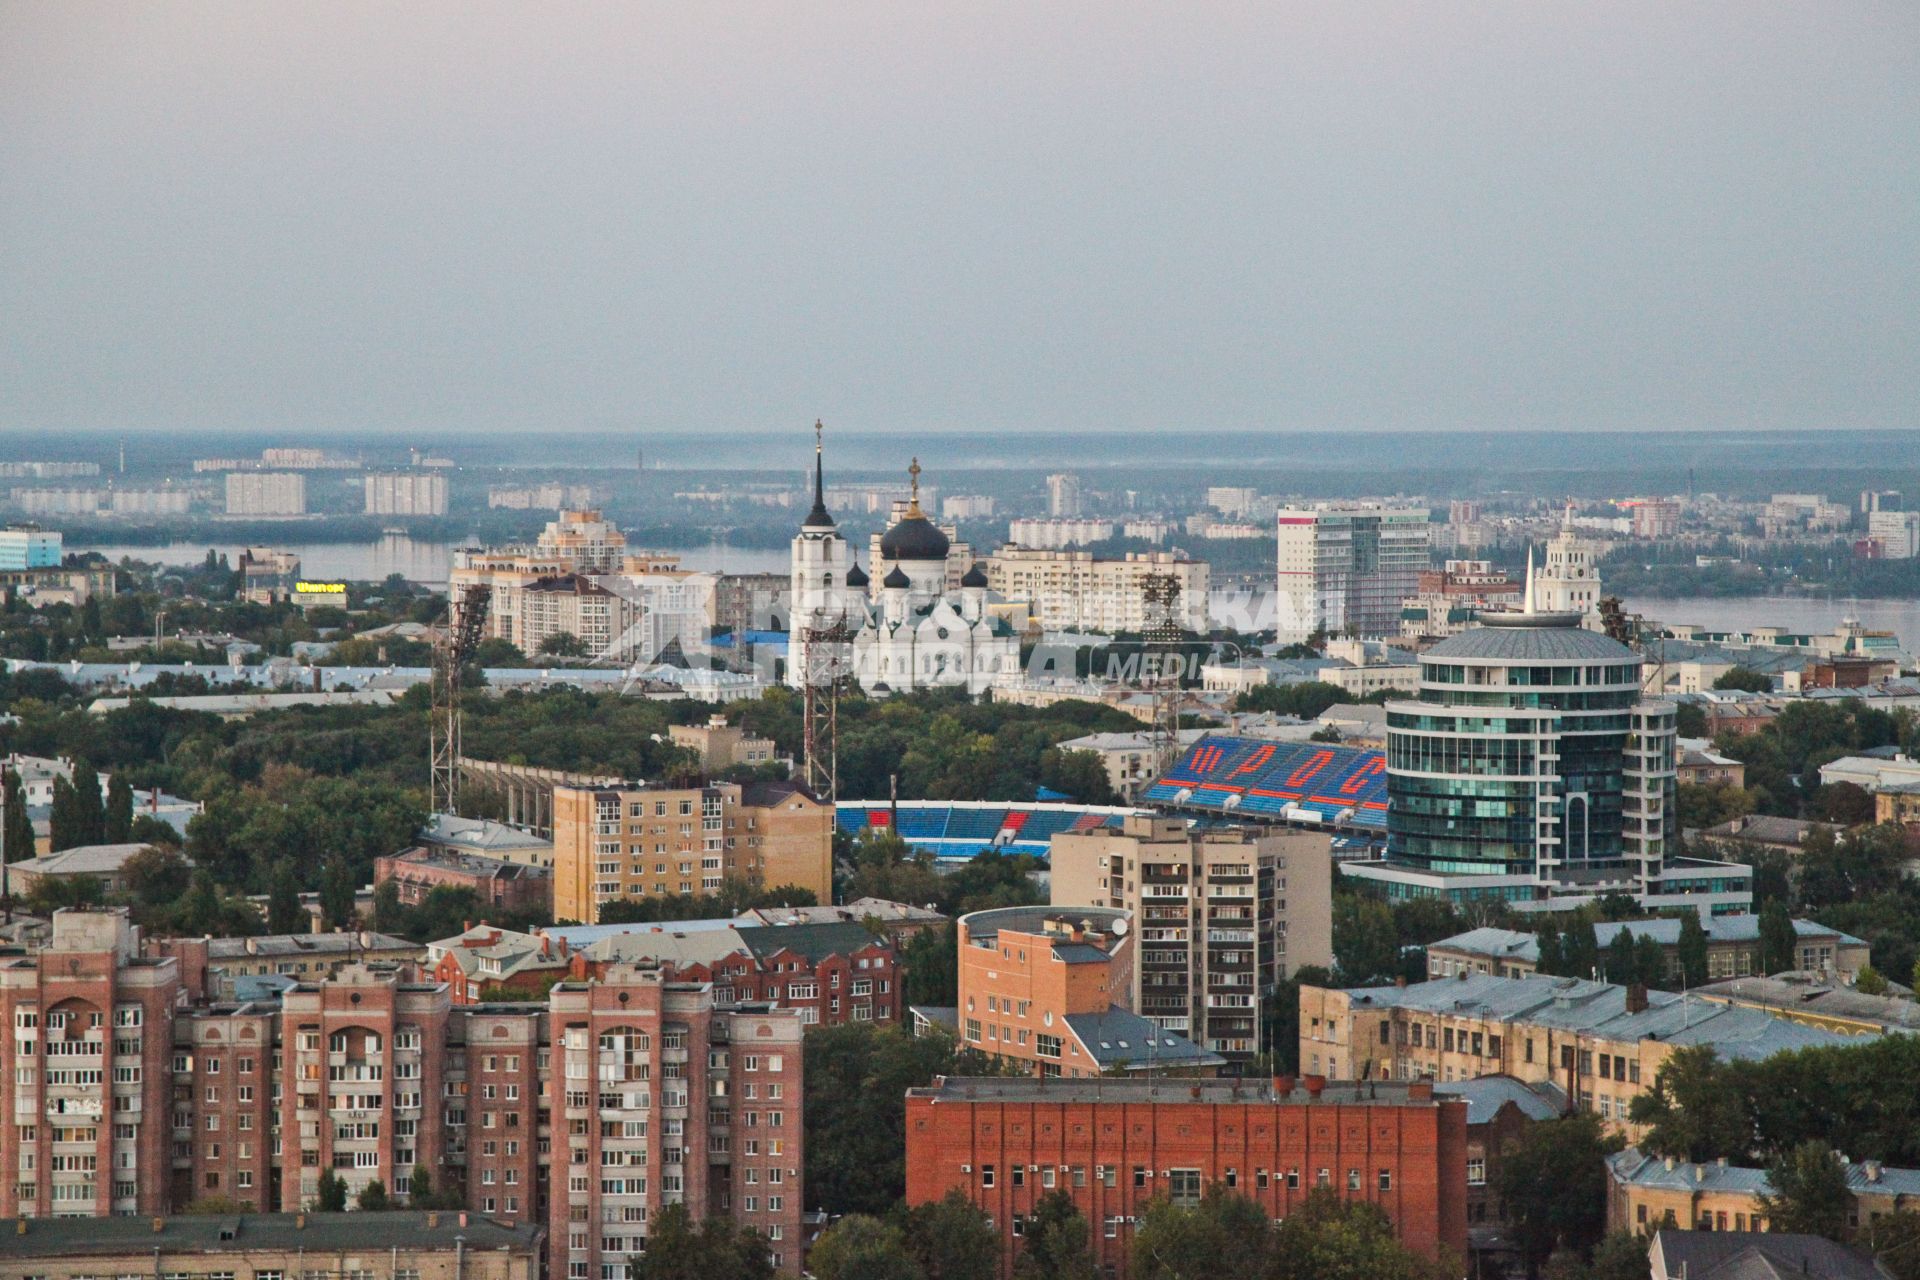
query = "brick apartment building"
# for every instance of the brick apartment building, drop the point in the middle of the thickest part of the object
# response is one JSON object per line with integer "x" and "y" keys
{"x": 619, "y": 842}
{"x": 1046, "y": 990}
{"x": 507, "y": 886}
{"x": 581, "y": 1113}
{"x": 1115, "y": 1144}
{"x": 830, "y": 973}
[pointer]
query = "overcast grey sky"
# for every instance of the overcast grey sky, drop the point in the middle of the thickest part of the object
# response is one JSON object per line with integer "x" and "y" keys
{"x": 953, "y": 216}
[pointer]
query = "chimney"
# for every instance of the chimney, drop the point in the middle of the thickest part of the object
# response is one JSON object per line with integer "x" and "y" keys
{"x": 1400, "y": 981}
{"x": 1420, "y": 1090}
{"x": 463, "y": 1217}
{"x": 1282, "y": 1086}
{"x": 159, "y": 1225}
{"x": 299, "y": 1222}
{"x": 1872, "y": 1169}
{"x": 19, "y": 1226}
{"x": 1315, "y": 1085}
{"x": 546, "y": 946}
{"x": 1637, "y": 998}
{"x": 1699, "y": 1173}
{"x": 433, "y": 1220}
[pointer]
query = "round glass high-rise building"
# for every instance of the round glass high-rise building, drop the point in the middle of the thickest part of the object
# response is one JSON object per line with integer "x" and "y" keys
{"x": 1530, "y": 769}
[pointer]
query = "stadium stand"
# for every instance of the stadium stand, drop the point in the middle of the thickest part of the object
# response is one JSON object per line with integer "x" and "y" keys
{"x": 959, "y": 829}
{"x": 1316, "y": 783}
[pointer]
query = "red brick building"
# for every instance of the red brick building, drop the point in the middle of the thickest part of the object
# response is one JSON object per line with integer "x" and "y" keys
{"x": 831, "y": 973}
{"x": 1113, "y": 1145}
{"x": 507, "y": 886}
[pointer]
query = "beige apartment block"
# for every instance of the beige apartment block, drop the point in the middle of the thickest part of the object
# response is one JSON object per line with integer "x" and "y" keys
{"x": 1222, "y": 915}
{"x": 628, "y": 842}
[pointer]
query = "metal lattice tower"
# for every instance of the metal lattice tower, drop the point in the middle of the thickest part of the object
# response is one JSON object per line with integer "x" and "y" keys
{"x": 466, "y": 617}
{"x": 829, "y": 667}
{"x": 1161, "y": 639}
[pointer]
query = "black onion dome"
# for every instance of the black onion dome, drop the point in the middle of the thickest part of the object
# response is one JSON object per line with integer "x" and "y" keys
{"x": 974, "y": 578}
{"x": 895, "y": 578}
{"x": 914, "y": 538}
{"x": 857, "y": 577}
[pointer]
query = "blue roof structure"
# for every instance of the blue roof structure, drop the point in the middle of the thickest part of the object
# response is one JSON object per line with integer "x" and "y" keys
{"x": 1317, "y": 782}
{"x": 955, "y": 830}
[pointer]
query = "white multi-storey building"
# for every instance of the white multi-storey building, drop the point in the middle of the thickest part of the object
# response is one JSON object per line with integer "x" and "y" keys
{"x": 406, "y": 493}
{"x": 1051, "y": 535}
{"x": 1345, "y": 569}
{"x": 1073, "y": 590}
{"x": 266, "y": 493}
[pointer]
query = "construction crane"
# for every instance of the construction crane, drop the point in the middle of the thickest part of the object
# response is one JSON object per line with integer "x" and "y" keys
{"x": 466, "y": 618}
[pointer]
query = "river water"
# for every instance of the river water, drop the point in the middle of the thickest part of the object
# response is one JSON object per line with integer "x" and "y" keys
{"x": 1793, "y": 613}
{"x": 422, "y": 561}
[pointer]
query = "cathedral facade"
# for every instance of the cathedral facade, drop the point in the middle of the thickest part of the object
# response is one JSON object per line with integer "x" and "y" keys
{"x": 902, "y": 626}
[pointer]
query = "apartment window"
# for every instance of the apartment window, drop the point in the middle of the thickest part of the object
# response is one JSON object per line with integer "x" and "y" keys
{"x": 1386, "y": 1179}
{"x": 986, "y": 1175}
{"x": 1476, "y": 1171}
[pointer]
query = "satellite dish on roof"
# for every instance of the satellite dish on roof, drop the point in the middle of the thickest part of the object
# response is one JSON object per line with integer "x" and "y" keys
{"x": 1120, "y": 927}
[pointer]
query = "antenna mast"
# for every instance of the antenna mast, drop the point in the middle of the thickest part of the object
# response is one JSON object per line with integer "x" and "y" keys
{"x": 466, "y": 617}
{"x": 1160, "y": 637}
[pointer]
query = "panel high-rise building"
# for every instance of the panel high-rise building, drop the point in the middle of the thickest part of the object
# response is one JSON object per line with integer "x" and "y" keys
{"x": 1221, "y": 917}
{"x": 266, "y": 493}
{"x": 1343, "y": 570}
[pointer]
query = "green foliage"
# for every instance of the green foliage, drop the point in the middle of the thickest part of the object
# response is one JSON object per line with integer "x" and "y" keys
{"x": 1702, "y": 1108}
{"x": 885, "y": 866}
{"x": 52, "y": 893}
{"x": 1779, "y": 941}
{"x": 373, "y": 1197}
{"x": 1745, "y": 678}
{"x": 285, "y": 914}
{"x": 1692, "y": 950}
{"x": 338, "y": 891}
{"x": 1327, "y": 1238}
{"x": 1894, "y": 1238}
{"x": 1868, "y": 982}
{"x": 1553, "y": 1185}
{"x": 19, "y": 823}
{"x": 932, "y": 962}
{"x": 1809, "y": 1193}
{"x": 1690, "y": 1112}
{"x": 1620, "y": 1255}
{"x": 1306, "y": 701}
{"x": 857, "y": 1077}
{"x": 119, "y": 813}
{"x": 1059, "y": 1242}
{"x": 331, "y": 1194}
{"x": 421, "y": 1195}
{"x": 1847, "y": 803}
{"x": 1366, "y": 941}
{"x": 862, "y": 1247}
{"x": 716, "y": 1249}
{"x": 1081, "y": 775}
{"x": 952, "y": 1240}
{"x": 564, "y": 644}
{"x": 1704, "y": 806}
